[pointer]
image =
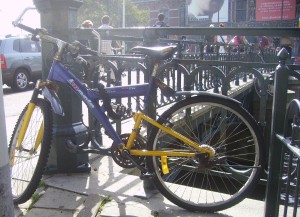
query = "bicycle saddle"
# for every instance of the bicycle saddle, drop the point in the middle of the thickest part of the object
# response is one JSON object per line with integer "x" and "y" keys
{"x": 159, "y": 52}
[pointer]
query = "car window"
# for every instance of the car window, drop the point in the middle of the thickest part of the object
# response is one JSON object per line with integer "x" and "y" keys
{"x": 26, "y": 46}
{"x": 16, "y": 45}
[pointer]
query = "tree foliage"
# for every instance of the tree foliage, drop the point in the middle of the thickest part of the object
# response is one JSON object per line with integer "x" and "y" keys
{"x": 94, "y": 9}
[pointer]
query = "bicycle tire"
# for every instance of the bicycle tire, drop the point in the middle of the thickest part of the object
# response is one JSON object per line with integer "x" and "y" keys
{"x": 208, "y": 186}
{"x": 27, "y": 174}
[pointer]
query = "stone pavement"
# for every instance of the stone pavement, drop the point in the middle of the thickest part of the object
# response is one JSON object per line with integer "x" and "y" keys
{"x": 84, "y": 194}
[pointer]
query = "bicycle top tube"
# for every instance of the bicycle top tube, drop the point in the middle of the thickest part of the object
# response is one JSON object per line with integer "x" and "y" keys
{"x": 61, "y": 74}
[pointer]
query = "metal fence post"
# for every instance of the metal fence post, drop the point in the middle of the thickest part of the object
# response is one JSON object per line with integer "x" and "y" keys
{"x": 278, "y": 115}
{"x": 6, "y": 201}
{"x": 149, "y": 189}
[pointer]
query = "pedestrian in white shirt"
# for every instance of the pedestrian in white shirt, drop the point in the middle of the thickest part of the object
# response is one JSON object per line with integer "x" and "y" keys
{"x": 222, "y": 39}
{"x": 105, "y": 46}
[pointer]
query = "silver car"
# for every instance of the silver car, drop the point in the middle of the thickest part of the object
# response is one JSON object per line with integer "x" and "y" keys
{"x": 21, "y": 61}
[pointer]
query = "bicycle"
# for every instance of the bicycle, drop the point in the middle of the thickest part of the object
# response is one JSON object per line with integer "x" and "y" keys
{"x": 194, "y": 149}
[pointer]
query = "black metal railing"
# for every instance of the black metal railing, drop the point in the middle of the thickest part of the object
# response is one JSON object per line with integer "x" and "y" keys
{"x": 282, "y": 147}
{"x": 195, "y": 69}
{"x": 289, "y": 195}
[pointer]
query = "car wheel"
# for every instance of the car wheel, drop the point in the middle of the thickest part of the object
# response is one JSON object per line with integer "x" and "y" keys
{"x": 21, "y": 80}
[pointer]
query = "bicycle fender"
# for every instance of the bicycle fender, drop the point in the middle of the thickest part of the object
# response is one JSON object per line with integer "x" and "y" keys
{"x": 203, "y": 93}
{"x": 52, "y": 97}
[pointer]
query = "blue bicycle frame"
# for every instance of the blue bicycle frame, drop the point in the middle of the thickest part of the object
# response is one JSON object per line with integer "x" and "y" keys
{"x": 91, "y": 97}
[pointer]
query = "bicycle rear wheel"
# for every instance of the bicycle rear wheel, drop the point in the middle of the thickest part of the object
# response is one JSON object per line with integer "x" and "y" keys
{"x": 28, "y": 164}
{"x": 210, "y": 185}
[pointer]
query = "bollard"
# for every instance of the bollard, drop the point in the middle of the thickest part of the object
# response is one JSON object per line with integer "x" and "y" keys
{"x": 6, "y": 200}
{"x": 70, "y": 126}
{"x": 275, "y": 150}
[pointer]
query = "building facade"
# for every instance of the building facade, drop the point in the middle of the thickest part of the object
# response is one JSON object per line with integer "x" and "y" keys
{"x": 233, "y": 13}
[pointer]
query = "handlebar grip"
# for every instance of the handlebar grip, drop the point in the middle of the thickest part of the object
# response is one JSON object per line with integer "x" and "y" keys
{"x": 26, "y": 28}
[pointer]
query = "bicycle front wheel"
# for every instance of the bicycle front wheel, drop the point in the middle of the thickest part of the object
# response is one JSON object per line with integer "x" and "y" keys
{"x": 198, "y": 184}
{"x": 28, "y": 160}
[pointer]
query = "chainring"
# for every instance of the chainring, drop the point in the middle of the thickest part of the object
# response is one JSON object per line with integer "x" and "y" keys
{"x": 139, "y": 143}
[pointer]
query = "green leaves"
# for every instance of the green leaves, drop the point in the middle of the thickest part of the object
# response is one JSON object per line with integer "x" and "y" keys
{"x": 94, "y": 10}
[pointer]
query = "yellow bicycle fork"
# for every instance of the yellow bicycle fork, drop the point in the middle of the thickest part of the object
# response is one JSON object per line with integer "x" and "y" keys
{"x": 23, "y": 130}
{"x": 31, "y": 107}
{"x": 24, "y": 127}
{"x": 28, "y": 114}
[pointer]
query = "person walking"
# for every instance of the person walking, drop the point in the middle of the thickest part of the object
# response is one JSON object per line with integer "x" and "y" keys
{"x": 210, "y": 42}
{"x": 222, "y": 39}
{"x": 86, "y": 24}
{"x": 160, "y": 21}
{"x": 238, "y": 43}
{"x": 287, "y": 43}
{"x": 106, "y": 45}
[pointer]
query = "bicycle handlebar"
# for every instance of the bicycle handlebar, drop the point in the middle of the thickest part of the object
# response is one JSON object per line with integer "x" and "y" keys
{"x": 44, "y": 35}
{"x": 19, "y": 18}
{"x": 85, "y": 49}
{"x": 26, "y": 28}
{"x": 74, "y": 47}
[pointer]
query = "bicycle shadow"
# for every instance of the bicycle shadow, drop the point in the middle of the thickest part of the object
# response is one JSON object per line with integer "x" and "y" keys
{"x": 124, "y": 201}
{"x": 108, "y": 179}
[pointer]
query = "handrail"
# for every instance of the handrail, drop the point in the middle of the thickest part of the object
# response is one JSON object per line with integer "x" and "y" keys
{"x": 143, "y": 32}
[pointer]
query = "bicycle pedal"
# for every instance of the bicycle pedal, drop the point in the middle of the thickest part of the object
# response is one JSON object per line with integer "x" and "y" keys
{"x": 146, "y": 175}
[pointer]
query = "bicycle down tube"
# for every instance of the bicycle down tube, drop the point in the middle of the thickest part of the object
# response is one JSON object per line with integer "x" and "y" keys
{"x": 90, "y": 97}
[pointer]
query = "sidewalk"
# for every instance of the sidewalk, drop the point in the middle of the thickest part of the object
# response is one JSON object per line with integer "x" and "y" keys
{"x": 81, "y": 195}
